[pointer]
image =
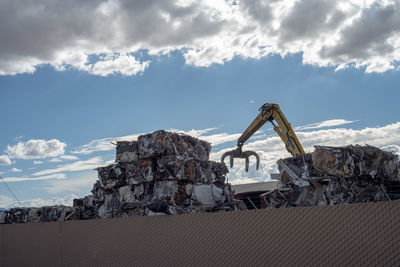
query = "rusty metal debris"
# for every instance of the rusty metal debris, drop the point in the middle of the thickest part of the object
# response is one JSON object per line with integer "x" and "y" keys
{"x": 160, "y": 173}
{"x": 335, "y": 176}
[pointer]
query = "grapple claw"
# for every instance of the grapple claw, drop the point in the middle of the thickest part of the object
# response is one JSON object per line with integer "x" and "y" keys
{"x": 252, "y": 153}
{"x": 229, "y": 153}
{"x": 238, "y": 153}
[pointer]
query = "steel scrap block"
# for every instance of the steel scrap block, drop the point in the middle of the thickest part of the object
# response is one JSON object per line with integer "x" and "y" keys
{"x": 111, "y": 176}
{"x": 335, "y": 176}
{"x": 139, "y": 171}
{"x": 161, "y": 143}
{"x": 355, "y": 161}
{"x": 127, "y": 151}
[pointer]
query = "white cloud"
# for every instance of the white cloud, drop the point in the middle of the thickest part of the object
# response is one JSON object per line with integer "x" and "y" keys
{"x": 214, "y": 139}
{"x": 34, "y": 149}
{"x": 95, "y": 146}
{"x": 271, "y": 149}
{"x": 63, "y": 158}
{"x": 69, "y": 157}
{"x": 106, "y": 144}
{"x": 37, "y": 162}
{"x": 15, "y": 170}
{"x": 220, "y": 138}
{"x": 41, "y": 178}
{"x": 107, "y": 37}
{"x": 89, "y": 164}
{"x": 193, "y": 132}
{"x": 324, "y": 124}
{"x": 5, "y": 160}
{"x": 7, "y": 202}
{"x": 114, "y": 64}
{"x": 82, "y": 183}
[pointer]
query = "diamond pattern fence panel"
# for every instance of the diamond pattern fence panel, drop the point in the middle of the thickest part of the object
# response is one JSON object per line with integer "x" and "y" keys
{"x": 34, "y": 244}
{"x": 366, "y": 234}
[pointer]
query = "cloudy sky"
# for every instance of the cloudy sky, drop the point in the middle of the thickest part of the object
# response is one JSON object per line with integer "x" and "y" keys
{"x": 78, "y": 75}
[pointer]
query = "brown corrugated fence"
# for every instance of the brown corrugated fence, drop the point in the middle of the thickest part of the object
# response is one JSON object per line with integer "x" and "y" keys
{"x": 352, "y": 235}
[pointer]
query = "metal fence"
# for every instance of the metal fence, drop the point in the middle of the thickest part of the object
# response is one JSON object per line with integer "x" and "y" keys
{"x": 357, "y": 234}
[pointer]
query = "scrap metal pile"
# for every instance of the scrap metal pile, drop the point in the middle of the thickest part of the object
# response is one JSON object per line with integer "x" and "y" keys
{"x": 334, "y": 176}
{"x": 42, "y": 214}
{"x": 160, "y": 173}
{"x": 169, "y": 173}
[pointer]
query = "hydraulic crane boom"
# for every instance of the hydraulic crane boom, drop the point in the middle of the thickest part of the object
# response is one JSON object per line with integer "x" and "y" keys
{"x": 268, "y": 112}
{"x": 272, "y": 112}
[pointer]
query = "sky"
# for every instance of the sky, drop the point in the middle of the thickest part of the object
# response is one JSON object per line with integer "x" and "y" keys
{"x": 76, "y": 76}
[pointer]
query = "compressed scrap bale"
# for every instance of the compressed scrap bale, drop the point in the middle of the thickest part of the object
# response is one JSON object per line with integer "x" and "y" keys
{"x": 96, "y": 188}
{"x": 218, "y": 172}
{"x": 178, "y": 168}
{"x": 356, "y": 161}
{"x": 50, "y": 214}
{"x": 139, "y": 171}
{"x": 58, "y": 213}
{"x": 3, "y": 216}
{"x": 207, "y": 195}
{"x": 197, "y": 171}
{"x": 111, "y": 176}
{"x": 126, "y": 195}
{"x": 86, "y": 213}
{"x": 127, "y": 151}
{"x": 43, "y": 214}
{"x": 164, "y": 189}
{"x": 161, "y": 143}
{"x": 18, "y": 215}
{"x": 15, "y": 215}
{"x": 73, "y": 213}
{"x": 182, "y": 196}
{"x": 159, "y": 207}
{"x": 111, "y": 206}
{"x": 335, "y": 176}
{"x": 34, "y": 215}
{"x": 89, "y": 201}
{"x": 170, "y": 168}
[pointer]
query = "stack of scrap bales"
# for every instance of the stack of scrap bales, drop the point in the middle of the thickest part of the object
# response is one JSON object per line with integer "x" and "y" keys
{"x": 42, "y": 214}
{"x": 334, "y": 176}
{"x": 160, "y": 173}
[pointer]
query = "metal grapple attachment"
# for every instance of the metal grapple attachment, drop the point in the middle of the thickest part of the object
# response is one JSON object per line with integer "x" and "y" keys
{"x": 238, "y": 153}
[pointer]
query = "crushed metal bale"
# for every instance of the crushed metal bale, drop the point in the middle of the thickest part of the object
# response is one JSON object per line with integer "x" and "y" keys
{"x": 334, "y": 176}
{"x": 161, "y": 173}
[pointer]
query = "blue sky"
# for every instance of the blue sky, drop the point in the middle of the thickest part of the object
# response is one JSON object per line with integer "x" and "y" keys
{"x": 62, "y": 104}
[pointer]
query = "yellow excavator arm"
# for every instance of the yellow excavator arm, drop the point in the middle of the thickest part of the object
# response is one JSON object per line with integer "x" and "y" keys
{"x": 271, "y": 113}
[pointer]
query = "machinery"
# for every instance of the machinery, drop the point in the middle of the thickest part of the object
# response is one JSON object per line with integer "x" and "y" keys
{"x": 271, "y": 113}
